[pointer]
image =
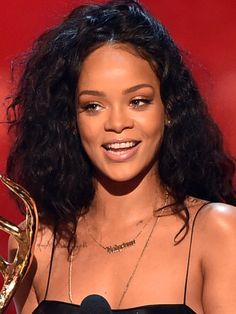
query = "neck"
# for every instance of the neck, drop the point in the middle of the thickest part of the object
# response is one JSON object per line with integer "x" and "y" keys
{"x": 126, "y": 202}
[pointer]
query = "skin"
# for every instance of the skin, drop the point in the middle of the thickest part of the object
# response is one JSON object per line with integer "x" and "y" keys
{"x": 123, "y": 105}
{"x": 127, "y": 192}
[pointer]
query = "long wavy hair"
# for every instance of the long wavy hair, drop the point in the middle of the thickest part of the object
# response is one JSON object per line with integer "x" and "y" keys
{"x": 47, "y": 156}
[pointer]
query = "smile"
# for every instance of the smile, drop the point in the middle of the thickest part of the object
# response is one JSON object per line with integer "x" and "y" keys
{"x": 121, "y": 151}
{"x": 120, "y": 145}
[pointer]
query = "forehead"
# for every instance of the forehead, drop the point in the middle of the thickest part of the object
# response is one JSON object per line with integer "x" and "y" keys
{"x": 113, "y": 62}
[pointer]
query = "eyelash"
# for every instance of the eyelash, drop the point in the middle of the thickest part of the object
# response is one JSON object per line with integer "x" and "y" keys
{"x": 144, "y": 101}
{"x": 134, "y": 103}
{"x": 91, "y": 107}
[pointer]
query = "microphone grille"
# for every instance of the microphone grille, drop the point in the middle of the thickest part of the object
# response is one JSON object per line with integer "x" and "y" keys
{"x": 95, "y": 304}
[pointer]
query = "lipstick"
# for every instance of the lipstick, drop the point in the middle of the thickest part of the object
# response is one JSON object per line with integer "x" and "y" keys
{"x": 121, "y": 150}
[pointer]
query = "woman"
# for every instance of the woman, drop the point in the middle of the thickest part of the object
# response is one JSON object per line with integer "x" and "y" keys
{"x": 115, "y": 144}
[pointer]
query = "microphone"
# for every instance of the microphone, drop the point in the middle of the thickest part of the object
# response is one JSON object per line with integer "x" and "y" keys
{"x": 95, "y": 304}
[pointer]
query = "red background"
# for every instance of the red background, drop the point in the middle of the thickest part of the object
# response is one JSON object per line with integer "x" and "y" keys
{"x": 205, "y": 29}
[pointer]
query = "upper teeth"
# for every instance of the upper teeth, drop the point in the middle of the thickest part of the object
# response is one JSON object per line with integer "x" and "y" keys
{"x": 120, "y": 145}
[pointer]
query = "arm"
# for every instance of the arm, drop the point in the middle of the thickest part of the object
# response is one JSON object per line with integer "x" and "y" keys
{"x": 218, "y": 241}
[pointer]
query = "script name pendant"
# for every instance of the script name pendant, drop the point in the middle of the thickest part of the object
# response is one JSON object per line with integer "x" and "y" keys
{"x": 119, "y": 247}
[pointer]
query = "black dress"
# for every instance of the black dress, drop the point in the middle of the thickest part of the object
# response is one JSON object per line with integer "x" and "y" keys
{"x": 58, "y": 307}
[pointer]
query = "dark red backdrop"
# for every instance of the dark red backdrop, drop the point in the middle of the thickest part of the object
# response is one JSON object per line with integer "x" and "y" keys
{"x": 206, "y": 29}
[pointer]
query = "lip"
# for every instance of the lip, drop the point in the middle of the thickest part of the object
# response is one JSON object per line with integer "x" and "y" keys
{"x": 121, "y": 140}
{"x": 121, "y": 155}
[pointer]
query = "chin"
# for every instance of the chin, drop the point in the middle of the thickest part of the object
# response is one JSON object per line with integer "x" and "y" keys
{"x": 126, "y": 177}
{"x": 122, "y": 178}
{"x": 119, "y": 177}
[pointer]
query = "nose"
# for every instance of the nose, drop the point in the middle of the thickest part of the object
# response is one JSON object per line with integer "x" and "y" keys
{"x": 118, "y": 120}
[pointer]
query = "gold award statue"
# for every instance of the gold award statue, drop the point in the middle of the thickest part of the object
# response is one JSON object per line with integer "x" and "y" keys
{"x": 14, "y": 272}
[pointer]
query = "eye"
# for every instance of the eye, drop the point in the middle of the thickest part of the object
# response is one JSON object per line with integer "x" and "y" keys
{"x": 90, "y": 107}
{"x": 140, "y": 103}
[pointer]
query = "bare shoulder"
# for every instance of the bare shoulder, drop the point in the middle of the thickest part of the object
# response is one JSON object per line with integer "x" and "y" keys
{"x": 214, "y": 243}
{"x": 214, "y": 227}
{"x": 44, "y": 240}
{"x": 215, "y": 218}
{"x": 26, "y": 297}
{"x": 214, "y": 230}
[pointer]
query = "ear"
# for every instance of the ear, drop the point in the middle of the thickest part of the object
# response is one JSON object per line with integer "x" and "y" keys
{"x": 167, "y": 120}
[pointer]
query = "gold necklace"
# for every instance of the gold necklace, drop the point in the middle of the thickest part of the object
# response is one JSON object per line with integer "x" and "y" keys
{"x": 139, "y": 259}
{"x": 116, "y": 248}
{"x": 70, "y": 278}
{"x": 133, "y": 272}
{"x": 136, "y": 264}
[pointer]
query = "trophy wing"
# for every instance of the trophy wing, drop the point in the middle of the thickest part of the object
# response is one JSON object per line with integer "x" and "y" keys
{"x": 25, "y": 236}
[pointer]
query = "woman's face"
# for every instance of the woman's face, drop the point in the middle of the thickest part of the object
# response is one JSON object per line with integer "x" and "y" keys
{"x": 120, "y": 113}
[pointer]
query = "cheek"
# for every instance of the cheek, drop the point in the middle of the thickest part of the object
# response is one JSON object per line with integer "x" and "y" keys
{"x": 154, "y": 136}
{"x": 155, "y": 129}
{"x": 153, "y": 125}
{"x": 88, "y": 134}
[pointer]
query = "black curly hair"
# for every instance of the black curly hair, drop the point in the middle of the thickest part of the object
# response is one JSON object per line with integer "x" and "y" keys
{"x": 47, "y": 156}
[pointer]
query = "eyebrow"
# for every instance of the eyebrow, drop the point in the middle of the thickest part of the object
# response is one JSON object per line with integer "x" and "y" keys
{"x": 91, "y": 92}
{"x": 135, "y": 88}
{"x": 126, "y": 91}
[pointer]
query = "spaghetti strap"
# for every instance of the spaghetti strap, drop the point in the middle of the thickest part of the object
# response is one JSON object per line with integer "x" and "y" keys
{"x": 50, "y": 266}
{"x": 189, "y": 251}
